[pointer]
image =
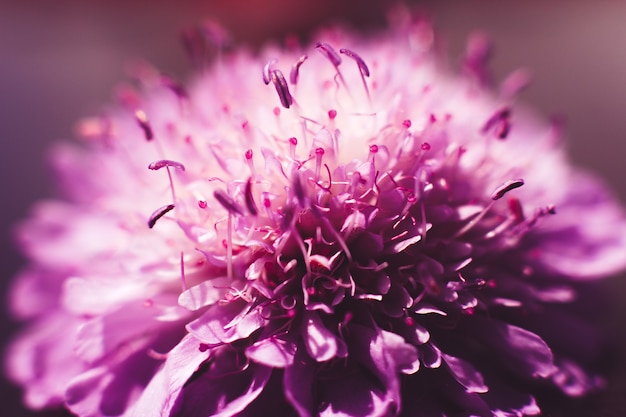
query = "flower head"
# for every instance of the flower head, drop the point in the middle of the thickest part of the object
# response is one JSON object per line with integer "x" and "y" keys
{"x": 338, "y": 229}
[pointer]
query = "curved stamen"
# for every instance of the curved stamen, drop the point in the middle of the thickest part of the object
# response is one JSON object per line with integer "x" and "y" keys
{"x": 250, "y": 204}
{"x": 499, "y": 123}
{"x": 158, "y": 213}
{"x": 329, "y": 52}
{"x": 156, "y": 165}
{"x": 227, "y": 202}
{"x": 282, "y": 88}
{"x": 267, "y": 70}
{"x": 142, "y": 119}
{"x": 506, "y": 187}
{"x": 295, "y": 69}
{"x": 359, "y": 61}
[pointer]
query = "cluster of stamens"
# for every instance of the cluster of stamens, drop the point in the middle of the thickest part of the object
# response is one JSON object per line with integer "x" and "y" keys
{"x": 390, "y": 240}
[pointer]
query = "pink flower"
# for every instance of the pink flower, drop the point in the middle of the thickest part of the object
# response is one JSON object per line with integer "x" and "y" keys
{"x": 339, "y": 229}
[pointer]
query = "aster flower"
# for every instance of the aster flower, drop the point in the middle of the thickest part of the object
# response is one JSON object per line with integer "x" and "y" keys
{"x": 340, "y": 229}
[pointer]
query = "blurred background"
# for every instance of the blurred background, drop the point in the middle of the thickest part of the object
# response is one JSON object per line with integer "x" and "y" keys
{"x": 61, "y": 60}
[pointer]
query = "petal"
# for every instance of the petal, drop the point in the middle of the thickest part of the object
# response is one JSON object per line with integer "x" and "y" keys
{"x": 204, "y": 294}
{"x": 385, "y": 354}
{"x": 466, "y": 374}
{"x": 272, "y": 351}
{"x": 573, "y": 380}
{"x": 43, "y": 362}
{"x": 211, "y": 329}
{"x": 587, "y": 237}
{"x": 159, "y": 396}
{"x": 109, "y": 389}
{"x": 321, "y": 343}
{"x": 34, "y": 292}
{"x": 298, "y": 380}
{"x": 134, "y": 322}
{"x": 223, "y": 388}
{"x": 521, "y": 351}
{"x": 355, "y": 394}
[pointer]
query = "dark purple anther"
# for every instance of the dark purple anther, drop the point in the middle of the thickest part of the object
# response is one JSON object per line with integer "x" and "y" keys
{"x": 281, "y": 88}
{"x": 175, "y": 87}
{"x": 365, "y": 71}
{"x": 502, "y": 129}
{"x": 227, "y": 202}
{"x": 142, "y": 119}
{"x": 158, "y": 213}
{"x": 165, "y": 163}
{"x": 550, "y": 209}
{"x": 267, "y": 71}
{"x": 329, "y": 52}
{"x": 295, "y": 69}
{"x": 250, "y": 204}
{"x": 506, "y": 187}
{"x": 500, "y": 123}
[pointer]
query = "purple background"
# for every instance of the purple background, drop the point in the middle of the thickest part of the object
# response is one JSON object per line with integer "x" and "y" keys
{"x": 60, "y": 60}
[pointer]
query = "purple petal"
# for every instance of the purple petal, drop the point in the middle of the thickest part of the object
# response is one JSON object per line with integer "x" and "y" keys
{"x": 592, "y": 224}
{"x": 108, "y": 333}
{"x": 385, "y": 354}
{"x": 321, "y": 343}
{"x": 43, "y": 362}
{"x": 272, "y": 352}
{"x": 203, "y": 294}
{"x": 159, "y": 396}
{"x": 466, "y": 374}
{"x": 298, "y": 380}
{"x": 573, "y": 380}
{"x": 211, "y": 329}
{"x": 521, "y": 351}
{"x": 355, "y": 394}
{"x": 223, "y": 386}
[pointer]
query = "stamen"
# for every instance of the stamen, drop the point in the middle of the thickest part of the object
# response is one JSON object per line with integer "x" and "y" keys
{"x": 329, "y": 52}
{"x": 281, "y": 88}
{"x": 165, "y": 163}
{"x": 499, "y": 123}
{"x": 505, "y": 188}
{"x": 359, "y": 61}
{"x": 229, "y": 247}
{"x": 267, "y": 71}
{"x": 295, "y": 69}
{"x": 363, "y": 69}
{"x": 175, "y": 87}
{"x": 250, "y": 162}
{"x": 182, "y": 272}
{"x": 227, "y": 202}
{"x": 299, "y": 192}
{"x": 267, "y": 207}
{"x": 250, "y": 204}
{"x": 142, "y": 119}
{"x": 293, "y": 142}
{"x": 158, "y": 213}
{"x": 288, "y": 302}
{"x": 319, "y": 153}
{"x": 539, "y": 214}
{"x": 497, "y": 194}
